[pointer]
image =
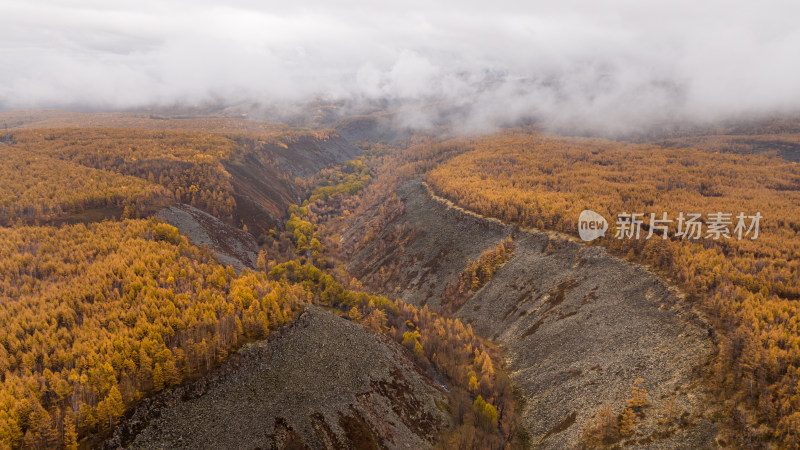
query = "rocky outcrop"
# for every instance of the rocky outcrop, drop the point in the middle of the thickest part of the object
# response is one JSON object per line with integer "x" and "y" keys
{"x": 233, "y": 246}
{"x": 322, "y": 382}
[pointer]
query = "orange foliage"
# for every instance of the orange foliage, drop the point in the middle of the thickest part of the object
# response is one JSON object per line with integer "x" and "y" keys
{"x": 38, "y": 187}
{"x": 188, "y": 164}
{"x": 476, "y": 275}
{"x": 97, "y": 316}
{"x": 750, "y": 287}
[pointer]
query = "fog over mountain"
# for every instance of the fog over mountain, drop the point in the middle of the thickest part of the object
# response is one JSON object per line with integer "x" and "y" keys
{"x": 610, "y": 64}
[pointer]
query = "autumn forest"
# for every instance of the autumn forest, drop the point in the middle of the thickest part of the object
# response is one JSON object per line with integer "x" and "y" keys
{"x": 749, "y": 287}
{"x": 105, "y": 304}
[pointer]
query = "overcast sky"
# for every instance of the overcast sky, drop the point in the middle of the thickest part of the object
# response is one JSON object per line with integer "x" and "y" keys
{"x": 568, "y": 59}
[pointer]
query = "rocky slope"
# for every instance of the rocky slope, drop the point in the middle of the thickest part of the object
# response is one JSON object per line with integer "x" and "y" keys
{"x": 578, "y": 325}
{"x": 322, "y": 382}
{"x": 233, "y": 246}
{"x": 263, "y": 176}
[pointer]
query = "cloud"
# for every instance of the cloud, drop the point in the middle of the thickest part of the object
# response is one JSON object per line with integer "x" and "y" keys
{"x": 610, "y": 64}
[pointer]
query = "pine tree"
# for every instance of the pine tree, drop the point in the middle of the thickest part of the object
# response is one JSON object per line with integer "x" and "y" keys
{"x": 44, "y": 430}
{"x": 475, "y": 281}
{"x": 419, "y": 352}
{"x": 603, "y": 430}
{"x": 354, "y": 314}
{"x": 627, "y": 422}
{"x": 70, "y": 433}
{"x": 10, "y": 432}
{"x": 115, "y": 407}
{"x": 172, "y": 375}
{"x": 639, "y": 397}
{"x": 485, "y": 412}
{"x": 376, "y": 320}
{"x": 158, "y": 377}
{"x": 473, "y": 384}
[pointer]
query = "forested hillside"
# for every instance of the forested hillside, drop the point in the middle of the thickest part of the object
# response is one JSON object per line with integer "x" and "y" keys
{"x": 104, "y": 306}
{"x": 97, "y": 316}
{"x": 40, "y": 188}
{"x": 188, "y": 164}
{"x": 159, "y": 122}
{"x": 231, "y": 174}
{"x": 749, "y": 286}
{"x": 100, "y": 314}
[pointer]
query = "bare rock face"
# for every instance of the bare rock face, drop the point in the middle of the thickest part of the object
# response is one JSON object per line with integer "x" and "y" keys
{"x": 579, "y": 325}
{"x": 321, "y": 382}
{"x": 233, "y": 246}
{"x": 263, "y": 176}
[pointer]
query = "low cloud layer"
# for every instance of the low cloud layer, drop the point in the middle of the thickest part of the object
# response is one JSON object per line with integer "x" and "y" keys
{"x": 612, "y": 64}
